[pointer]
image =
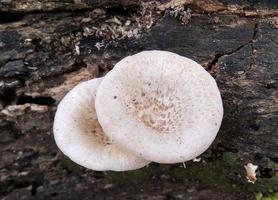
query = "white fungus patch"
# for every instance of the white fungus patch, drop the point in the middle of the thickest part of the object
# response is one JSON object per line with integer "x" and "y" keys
{"x": 251, "y": 172}
{"x": 77, "y": 49}
{"x": 197, "y": 159}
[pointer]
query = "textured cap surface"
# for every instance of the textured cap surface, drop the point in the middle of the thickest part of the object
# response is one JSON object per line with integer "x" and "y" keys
{"x": 161, "y": 106}
{"x": 79, "y": 135}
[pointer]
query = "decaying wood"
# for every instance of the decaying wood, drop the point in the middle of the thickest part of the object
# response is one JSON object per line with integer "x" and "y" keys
{"x": 47, "y": 49}
{"x": 52, "y": 5}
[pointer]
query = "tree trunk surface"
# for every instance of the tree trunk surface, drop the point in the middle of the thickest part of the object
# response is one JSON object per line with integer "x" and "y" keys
{"x": 47, "y": 47}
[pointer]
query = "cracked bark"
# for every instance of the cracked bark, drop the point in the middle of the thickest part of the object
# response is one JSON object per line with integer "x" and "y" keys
{"x": 39, "y": 64}
{"x": 217, "y": 57}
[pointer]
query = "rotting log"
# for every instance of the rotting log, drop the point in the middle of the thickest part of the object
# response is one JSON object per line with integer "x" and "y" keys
{"x": 44, "y": 54}
{"x": 26, "y": 6}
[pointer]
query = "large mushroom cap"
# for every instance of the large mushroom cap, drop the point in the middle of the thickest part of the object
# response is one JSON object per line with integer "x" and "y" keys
{"x": 80, "y": 137}
{"x": 171, "y": 104}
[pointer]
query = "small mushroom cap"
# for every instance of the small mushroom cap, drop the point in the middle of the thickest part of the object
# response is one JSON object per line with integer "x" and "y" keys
{"x": 251, "y": 172}
{"x": 79, "y": 135}
{"x": 171, "y": 104}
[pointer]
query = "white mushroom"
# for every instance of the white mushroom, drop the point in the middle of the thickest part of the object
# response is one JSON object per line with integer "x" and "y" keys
{"x": 251, "y": 172}
{"x": 171, "y": 104}
{"x": 80, "y": 137}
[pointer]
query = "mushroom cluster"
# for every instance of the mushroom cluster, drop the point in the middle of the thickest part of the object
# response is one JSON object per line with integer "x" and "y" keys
{"x": 154, "y": 106}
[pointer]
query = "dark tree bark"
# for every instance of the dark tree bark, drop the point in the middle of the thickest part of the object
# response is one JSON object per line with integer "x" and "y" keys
{"x": 47, "y": 49}
{"x": 54, "y": 5}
